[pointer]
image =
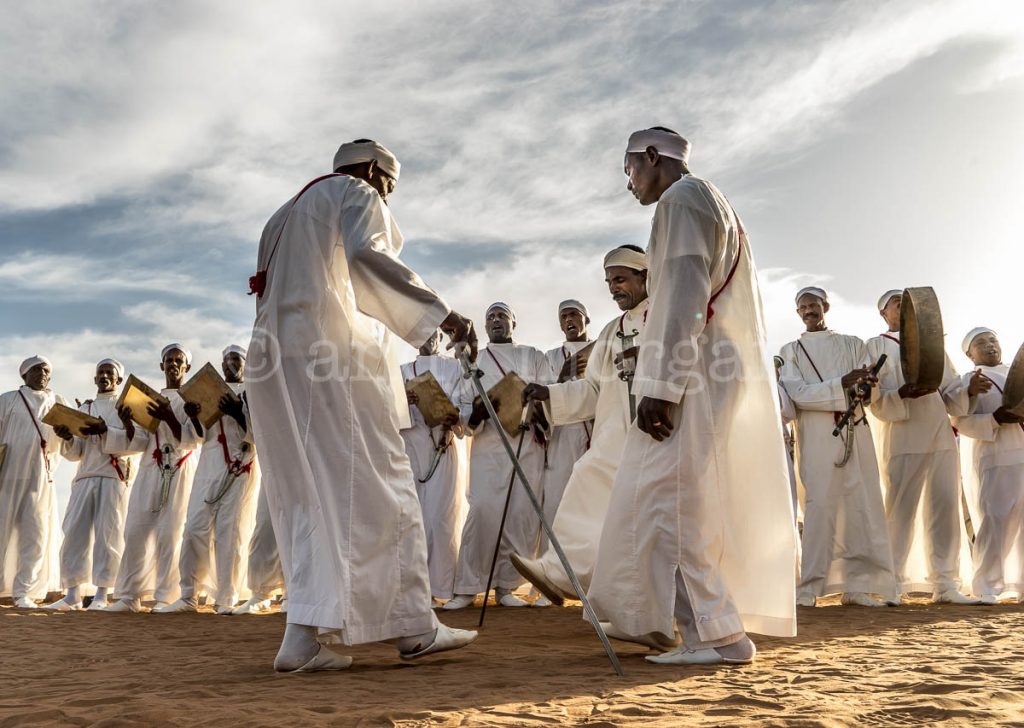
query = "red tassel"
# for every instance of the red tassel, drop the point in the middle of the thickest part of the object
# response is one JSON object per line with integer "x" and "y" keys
{"x": 258, "y": 283}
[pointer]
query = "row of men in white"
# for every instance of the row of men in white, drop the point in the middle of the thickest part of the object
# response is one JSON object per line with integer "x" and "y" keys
{"x": 169, "y": 514}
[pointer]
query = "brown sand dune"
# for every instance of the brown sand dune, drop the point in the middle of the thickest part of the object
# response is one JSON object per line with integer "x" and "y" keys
{"x": 915, "y": 665}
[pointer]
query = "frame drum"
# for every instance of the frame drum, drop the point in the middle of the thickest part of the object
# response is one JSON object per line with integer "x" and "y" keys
{"x": 922, "y": 350}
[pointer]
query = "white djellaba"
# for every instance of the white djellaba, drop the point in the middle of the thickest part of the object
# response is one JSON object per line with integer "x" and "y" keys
{"x": 703, "y": 517}
{"x": 442, "y": 496}
{"x": 29, "y": 527}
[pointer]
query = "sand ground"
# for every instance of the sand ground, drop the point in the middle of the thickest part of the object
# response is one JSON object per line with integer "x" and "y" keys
{"x": 918, "y": 664}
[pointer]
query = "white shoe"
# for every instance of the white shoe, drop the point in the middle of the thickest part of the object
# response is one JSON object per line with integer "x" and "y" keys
{"x": 860, "y": 599}
{"x": 222, "y": 610}
{"x": 254, "y": 606}
{"x": 123, "y": 606}
{"x": 284, "y": 606}
{"x": 542, "y": 601}
{"x": 178, "y": 607}
{"x": 683, "y": 656}
{"x": 445, "y": 639}
{"x": 324, "y": 660}
{"x": 460, "y": 601}
{"x": 988, "y": 600}
{"x": 62, "y": 605}
{"x": 97, "y": 605}
{"x": 654, "y": 640}
{"x": 511, "y": 600}
{"x": 806, "y": 600}
{"x": 952, "y": 596}
{"x": 25, "y": 603}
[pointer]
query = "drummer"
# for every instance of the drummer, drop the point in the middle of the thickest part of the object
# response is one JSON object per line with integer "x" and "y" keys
{"x": 992, "y": 451}
{"x": 917, "y": 457}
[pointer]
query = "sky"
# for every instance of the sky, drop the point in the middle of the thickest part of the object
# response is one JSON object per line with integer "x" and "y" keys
{"x": 867, "y": 146}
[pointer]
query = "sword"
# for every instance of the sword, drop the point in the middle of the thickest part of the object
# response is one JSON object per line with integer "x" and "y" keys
{"x": 439, "y": 450}
{"x": 471, "y": 372}
{"x": 230, "y": 476}
{"x": 167, "y": 471}
{"x": 628, "y": 368}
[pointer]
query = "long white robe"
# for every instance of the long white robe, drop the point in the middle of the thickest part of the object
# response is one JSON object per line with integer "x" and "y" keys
{"x": 490, "y": 473}
{"x": 264, "y": 574}
{"x": 602, "y": 397}
{"x": 29, "y": 532}
{"x": 993, "y": 472}
{"x": 710, "y": 505}
{"x": 566, "y": 443}
{"x": 326, "y": 412}
{"x": 152, "y": 532}
{"x": 920, "y": 473}
{"x": 94, "y": 520}
{"x": 218, "y": 534}
{"x": 845, "y": 540}
{"x": 443, "y": 496}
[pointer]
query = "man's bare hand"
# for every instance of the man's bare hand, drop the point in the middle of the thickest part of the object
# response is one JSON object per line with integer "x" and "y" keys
{"x": 630, "y": 353}
{"x": 908, "y": 391}
{"x": 979, "y": 384}
{"x": 480, "y": 413}
{"x": 654, "y": 416}
{"x": 95, "y": 429}
{"x": 460, "y": 330}
{"x": 64, "y": 432}
{"x": 857, "y": 376}
{"x": 412, "y": 397}
{"x": 535, "y": 392}
{"x": 125, "y": 415}
{"x": 1004, "y": 417}
{"x": 192, "y": 410}
{"x": 451, "y": 420}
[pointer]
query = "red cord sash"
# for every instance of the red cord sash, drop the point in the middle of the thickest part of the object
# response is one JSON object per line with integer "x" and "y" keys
{"x": 158, "y": 455}
{"x": 725, "y": 284}
{"x": 235, "y": 466}
{"x": 39, "y": 431}
{"x": 258, "y": 282}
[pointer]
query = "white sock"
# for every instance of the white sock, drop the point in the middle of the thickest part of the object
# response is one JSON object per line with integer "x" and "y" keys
{"x": 101, "y": 594}
{"x": 72, "y": 597}
{"x": 298, "y": 647}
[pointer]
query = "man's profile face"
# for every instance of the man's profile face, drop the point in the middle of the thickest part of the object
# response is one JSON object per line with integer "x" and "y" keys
{"x": 642, "y": 173}
{"x": 573, "y": 324}
{"x": 627, "y": 286}
{"x": 174, "y": 365}
{"x": 432, "y": 345}
{"x": 38, "y": 377}
{"x": 891, "y": 313}
{"x": 811, "y": 311}
{"x": 499, "y": 325}
{"x": 985, "y": 350}
{"x": 106, "y": 378}
{"x": 233, "y": 367}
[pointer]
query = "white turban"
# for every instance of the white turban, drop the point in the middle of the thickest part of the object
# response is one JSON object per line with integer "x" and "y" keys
{"x": 31, "y": 362}
{"x": 573, "y": 303}
{"x": 814, "y": 291}
{"x": 118, "y": 366}
{"x": 179, "y": 347}
{"x": 234, "y": 349}
{"x": 667, "y": 143}
{"x": 357, "y": 152}
{"x": 626, "y": 258}
{"x": 973, "y": 334}
{"x": 501, "y": 306}
{"x": 888, "y": 296}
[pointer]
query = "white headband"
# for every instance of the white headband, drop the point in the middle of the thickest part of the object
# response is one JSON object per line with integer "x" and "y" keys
{"x": 356, "y": 152}
{"x": 179, "y": 347}
{"x": 888, "y": 296}
{"x": 814, "y": 291}
{"x": 31, "y": 362}
{"x": 626, "y": 258}
{"x": 573, "y": 303}
{"x": 501, "y": 306}
{"x": 667, "y": 144}
{"x": 973, "y": 334}
{"x": 234, "y": 349}
{"x": 118, "y": 366}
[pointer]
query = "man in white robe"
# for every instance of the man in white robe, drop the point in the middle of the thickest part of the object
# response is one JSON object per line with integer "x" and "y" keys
{"x": 327, "y": 401}
{"x": 29, "y": 534}
{"x": 490, "y": 471}
{"x": 566, "y": 443}
{"x": 263, "y": 572}
{"x": 94, "y": 520}
{"x": 222, "y": 506}
{"x": 442, "y": 493}
{"x": 992, "y": 448}
{"x": 159, "y": 498}
{"x": 699, "y": 533}
{"x": 601, "y": 395}
{"x": 845, "y": 544}
{"x": 919, "y": 467}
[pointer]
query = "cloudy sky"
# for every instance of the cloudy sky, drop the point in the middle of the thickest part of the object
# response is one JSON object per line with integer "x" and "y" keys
{"x": 867, "y": 145}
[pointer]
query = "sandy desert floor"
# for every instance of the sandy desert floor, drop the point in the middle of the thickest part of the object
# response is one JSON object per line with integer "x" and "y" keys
{"x": 918, "y": 664}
